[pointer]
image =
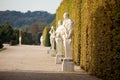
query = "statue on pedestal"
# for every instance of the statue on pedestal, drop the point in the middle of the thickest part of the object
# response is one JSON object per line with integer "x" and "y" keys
{"x": 67, "y": 34}
{"x": 58, "y": 40}
{"x": 58, "y": 37}
{"x": 67, "y": 64}
{"x": 52, "y": 37}
{"x": 41, "y": 40}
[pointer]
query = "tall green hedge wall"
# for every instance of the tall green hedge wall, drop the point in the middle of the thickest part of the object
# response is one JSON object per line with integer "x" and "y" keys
{"x": 46, "y": 36}
{"x": 96, "y": 38}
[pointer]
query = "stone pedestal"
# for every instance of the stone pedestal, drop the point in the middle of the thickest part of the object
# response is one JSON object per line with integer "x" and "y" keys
{"x": 52, "y": 53}
{"x": 41, "y": 44}
{"x": 58, "y": 59}
{"x": 67, "y": 65}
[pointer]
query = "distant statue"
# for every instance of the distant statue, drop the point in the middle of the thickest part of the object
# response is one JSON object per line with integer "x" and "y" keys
{"x": 52, "y": 37}
{"x": 41, "y": 40}
{"x": 20, "y": 38}
{"x": 58, "y": 37}
{"x": 67, "y": 34}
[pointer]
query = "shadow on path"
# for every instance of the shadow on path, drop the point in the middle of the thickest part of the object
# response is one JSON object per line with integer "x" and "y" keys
{"x": 9, "y": 75}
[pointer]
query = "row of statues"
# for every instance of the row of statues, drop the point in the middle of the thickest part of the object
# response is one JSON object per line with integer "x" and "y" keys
{"x": 62, "y": 34}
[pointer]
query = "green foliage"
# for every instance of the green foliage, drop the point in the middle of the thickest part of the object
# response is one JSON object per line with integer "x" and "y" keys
{"x": 27, "y": 38}
{"x": 15, "y": 36}
{"x": 100, "y": 38}
{"x": 8, "y": 34}
{"x": 25, "y": 28}
{"x": 18, "y": 19}
{"x": 96, "y": 38}
{"x": 32, "y": 33}
{"x": 1, "y": 44}
{"x": 13, "y": 42}
{"x": 46, "y": 36}
{"x": 38, "y": 37}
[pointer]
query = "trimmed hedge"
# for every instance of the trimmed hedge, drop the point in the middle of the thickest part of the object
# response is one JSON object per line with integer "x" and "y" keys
{"x": 96, "y": 38}
{"x": 46, "y": 36}
{"x": 100, "y": 38}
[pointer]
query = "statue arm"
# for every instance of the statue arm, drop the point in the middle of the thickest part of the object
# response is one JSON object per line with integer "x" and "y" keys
{"x": 50, "y": 31}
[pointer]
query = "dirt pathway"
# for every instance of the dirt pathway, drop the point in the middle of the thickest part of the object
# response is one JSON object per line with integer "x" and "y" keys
{"x": 34, "y": 63}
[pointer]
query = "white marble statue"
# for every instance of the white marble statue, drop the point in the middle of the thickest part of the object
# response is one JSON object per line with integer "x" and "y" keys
{"x": 41, "y": 40}
{"x": 58, "y": 38}
{"x": 52, "y": 37}
{"x": 20, "y": 40}
{"x": 67, "y": 34}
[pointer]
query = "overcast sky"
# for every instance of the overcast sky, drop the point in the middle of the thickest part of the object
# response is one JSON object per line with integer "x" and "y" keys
{"x": 32, "y": 5}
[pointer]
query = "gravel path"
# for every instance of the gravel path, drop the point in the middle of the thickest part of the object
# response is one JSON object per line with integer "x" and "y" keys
{"x": 34, "y": 63}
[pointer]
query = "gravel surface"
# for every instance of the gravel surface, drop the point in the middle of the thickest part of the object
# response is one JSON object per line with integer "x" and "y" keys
{"x": 34, "y": 63}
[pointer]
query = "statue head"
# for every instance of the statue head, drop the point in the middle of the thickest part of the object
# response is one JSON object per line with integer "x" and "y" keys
{"x": 52, "y": 27}
{"x": 59, "y": 22}
{"x": 66, "y": 15}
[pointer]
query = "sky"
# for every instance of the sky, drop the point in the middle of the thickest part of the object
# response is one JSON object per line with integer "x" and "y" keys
{"x": 30, "y": 5}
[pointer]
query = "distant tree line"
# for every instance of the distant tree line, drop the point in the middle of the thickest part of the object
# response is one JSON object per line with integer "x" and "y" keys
{"x": 30, "y": 34}
{"x": 19, "y": 19}
{"x": 31, "y": 23}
